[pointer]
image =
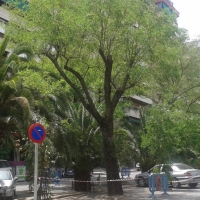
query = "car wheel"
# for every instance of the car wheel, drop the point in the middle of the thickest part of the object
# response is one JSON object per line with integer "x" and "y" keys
{"x": 141, "y": 182}
{"x": 193, "y": 185}
{"x": 176, "y": 184}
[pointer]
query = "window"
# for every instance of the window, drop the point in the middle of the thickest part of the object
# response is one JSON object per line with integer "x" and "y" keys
{"x": 3, "y": 20}
{"x": 5, "y": 175}
{"x": 166, "y": 168}
{"x": 4, "y": 164}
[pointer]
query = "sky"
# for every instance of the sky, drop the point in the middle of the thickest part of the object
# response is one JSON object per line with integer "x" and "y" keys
{"x": 189, "y": 16}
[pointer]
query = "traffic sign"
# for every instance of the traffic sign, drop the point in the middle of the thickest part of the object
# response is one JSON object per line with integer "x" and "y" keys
{"x": 37, "y": 133}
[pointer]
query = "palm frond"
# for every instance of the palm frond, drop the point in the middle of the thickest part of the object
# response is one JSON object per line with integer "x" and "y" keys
{"x": 10, "y": 59}
{"x": 23, "y": 52}
{"x": 3, "y": 46}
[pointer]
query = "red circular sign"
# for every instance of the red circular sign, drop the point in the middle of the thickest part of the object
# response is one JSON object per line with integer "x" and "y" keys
{"x": 158, "y": 183}
{"x": 37, "y": 133}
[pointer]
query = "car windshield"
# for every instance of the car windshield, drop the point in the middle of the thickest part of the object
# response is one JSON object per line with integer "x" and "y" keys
{"x": 3, "y": 164}
{"x": 5, "y": 175}
{"x": 181, "y": 167}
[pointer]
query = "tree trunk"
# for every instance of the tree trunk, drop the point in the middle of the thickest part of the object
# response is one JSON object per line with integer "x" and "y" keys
{"x": 84, "y": 185}
{"x": 114, "y": 184}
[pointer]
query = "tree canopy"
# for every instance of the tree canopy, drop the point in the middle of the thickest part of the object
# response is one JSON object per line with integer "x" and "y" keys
{"x": 102, "y": 49}
{"x": 14, "y": 106}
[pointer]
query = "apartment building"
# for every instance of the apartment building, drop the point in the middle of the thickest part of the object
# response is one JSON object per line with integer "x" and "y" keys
{"x": 162, "y": 4}
{"x": 133, "y": 111}
{"x": 4, "y": 18}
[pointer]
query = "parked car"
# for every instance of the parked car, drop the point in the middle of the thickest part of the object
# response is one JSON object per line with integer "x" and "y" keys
{"x": 7, "y": 183}
{"x": 180, "y": 174}
{"x": 99, "y": 171}
{"x": 69, "y": 173}
{"x": 5, "y": 165}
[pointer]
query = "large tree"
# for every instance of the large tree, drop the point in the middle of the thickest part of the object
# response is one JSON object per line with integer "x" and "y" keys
{"x": 175, "y": 112}
{"x": 102, "y": 49}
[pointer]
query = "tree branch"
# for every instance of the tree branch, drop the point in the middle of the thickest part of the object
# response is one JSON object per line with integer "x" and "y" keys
{"x": 107, "y": 80}
{"x": 188, "y": 89}
{"x": 192, "y": 102}
{"x": 89, "y": 105}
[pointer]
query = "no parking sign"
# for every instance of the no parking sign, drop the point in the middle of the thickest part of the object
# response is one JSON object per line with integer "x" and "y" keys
{"x": 37, "y": 134}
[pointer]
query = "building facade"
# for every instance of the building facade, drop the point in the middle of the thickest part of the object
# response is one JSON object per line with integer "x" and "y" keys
{"x": 4, "y": 18}
{"x": 162, "y": 4}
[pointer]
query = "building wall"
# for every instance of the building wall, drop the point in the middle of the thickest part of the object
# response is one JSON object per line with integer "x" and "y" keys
{"x": 166, "y": 4}
{"x": 136, "y": 103}
{"x": 4, "y": 15}
{"x": 4, "y": 18}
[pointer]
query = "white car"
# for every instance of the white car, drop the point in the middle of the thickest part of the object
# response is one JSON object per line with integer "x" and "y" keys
{"x": 5, "y": 165}
{"x": 181, "y": 174}
{"x": 7, "y": 184}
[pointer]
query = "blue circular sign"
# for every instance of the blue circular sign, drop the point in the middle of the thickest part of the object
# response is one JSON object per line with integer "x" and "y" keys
{"x": 37, "y": 133}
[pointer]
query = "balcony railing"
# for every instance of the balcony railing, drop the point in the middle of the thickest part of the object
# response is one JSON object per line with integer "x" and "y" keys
{"x": 168, "y": 2}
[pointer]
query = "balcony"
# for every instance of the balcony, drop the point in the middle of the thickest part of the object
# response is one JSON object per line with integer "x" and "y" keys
{"x": 2, "y": 2}
{"x": 4, "y": 15}
{"x": 20, "y": 3}
{"x": 132, "y": 112}
{"x": 168, "y": 4}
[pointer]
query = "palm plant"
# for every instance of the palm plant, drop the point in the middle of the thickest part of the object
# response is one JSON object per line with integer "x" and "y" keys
{"x": 14, "y": 108}
{"x": 124, "y": 144}
{"x": 83, "y": 132}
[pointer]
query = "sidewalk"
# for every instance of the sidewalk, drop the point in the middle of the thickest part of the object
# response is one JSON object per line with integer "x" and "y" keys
{"x": 130, "y": 193}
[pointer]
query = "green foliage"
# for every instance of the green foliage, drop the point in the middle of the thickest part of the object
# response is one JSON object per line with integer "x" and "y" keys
{"x": 84, "y": 129}
{"x": 170, "y": 135}
{"x": 176, "y": 78}
{"x": 74, "y": 33}
{"x": 156, "y": 170}
{"x": 4, "y": 152}
{"x": 14, "y": 107}
{"x": 104, "y": 50}
{"x": 159, "y": 135}
{"x": 124, "y": 143}
{"x": 45, "y": 151}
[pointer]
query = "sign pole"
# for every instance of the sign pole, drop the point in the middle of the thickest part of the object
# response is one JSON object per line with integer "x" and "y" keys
{"x": 36, "y": 172}
{"x": 37, "y": 134}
